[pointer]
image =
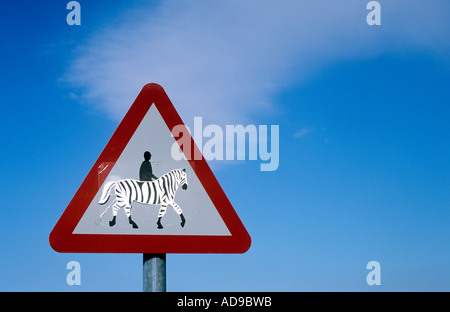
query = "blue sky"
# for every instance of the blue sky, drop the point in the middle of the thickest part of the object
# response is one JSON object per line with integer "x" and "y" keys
{"x": 364, "y": 135}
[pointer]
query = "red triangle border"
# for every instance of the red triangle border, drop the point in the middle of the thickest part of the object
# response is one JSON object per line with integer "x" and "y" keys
{"x": 62, "y": 238}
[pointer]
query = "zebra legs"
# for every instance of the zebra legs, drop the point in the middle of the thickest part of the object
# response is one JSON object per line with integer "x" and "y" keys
{"x": 162, "y": 212}
{"x": 158, "y": 223}
{"x": 128, "y": 213}
{"x": 183, "y": 220}
{"x": 133, "y": 224}
{"x": 116, "y": 208}
{"x": 180, "y": 213}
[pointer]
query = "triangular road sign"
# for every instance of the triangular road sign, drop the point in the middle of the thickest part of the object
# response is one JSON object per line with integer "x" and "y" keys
{"x": 122, "y": 206}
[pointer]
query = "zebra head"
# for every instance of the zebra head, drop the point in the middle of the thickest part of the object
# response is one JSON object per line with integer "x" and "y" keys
{"x": 183, "y": 179}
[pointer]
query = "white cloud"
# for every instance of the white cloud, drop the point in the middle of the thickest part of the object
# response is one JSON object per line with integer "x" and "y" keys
{"x": 225, "y": 60}
{"x": 302, "y": 132}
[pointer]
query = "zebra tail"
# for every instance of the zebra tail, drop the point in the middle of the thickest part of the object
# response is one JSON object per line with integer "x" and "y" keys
{"x": 106, "y": 192}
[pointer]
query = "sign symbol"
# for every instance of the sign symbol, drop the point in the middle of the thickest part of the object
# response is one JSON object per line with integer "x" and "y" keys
{"x": 209, "y": 224}
{"x": 159, "y": 192}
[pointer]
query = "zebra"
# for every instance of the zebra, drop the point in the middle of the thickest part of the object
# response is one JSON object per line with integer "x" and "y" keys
{"x": 157, "y": 192}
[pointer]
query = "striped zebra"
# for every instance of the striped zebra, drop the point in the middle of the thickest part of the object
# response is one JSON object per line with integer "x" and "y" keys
{"x": 158, "y": 192}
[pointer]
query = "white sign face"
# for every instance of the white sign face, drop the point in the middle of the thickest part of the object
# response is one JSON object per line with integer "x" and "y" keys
{"x": 156, "y": 196}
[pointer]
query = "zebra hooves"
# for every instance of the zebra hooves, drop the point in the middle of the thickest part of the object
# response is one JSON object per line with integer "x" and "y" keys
{"x": 159, "y": 224}
{"x": 113, "y": 221}
{"x": 132, "y": 223}
{"x": 183, "y": 220}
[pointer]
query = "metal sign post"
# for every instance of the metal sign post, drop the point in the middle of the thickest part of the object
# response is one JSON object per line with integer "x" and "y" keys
{"x": 154, "y": 277}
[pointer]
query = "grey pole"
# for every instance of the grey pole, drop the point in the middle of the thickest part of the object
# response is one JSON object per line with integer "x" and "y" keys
{"x": 154, "y": 272}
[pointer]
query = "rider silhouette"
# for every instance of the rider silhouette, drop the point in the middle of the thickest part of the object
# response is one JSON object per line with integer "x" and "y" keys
{"x": 146, "y": 172}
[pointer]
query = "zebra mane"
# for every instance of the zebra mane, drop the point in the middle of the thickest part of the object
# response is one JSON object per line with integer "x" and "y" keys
{"x": 180, "y": 171}
{"x": 174, "y": 170}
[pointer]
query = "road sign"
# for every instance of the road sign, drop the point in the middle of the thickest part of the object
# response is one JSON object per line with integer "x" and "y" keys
{"x": 138, "y": 198}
